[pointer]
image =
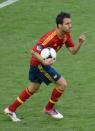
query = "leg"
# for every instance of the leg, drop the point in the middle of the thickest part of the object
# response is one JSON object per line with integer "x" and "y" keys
{"x": 56, "y": 94}
{"x": 23, "y": 96}
{"x": 34, "y": 87}
{"x": 61, "y": 84}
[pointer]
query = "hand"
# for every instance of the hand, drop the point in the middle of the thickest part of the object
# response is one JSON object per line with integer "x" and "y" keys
{"x": 82, "y": 38}
{"x": 48, "y": 61}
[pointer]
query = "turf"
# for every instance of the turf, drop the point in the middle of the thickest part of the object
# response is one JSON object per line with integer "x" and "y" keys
{"x": 21, "y": 25}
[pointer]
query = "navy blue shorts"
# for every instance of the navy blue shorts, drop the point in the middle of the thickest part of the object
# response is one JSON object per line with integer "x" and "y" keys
{"x": 40, "y": 73}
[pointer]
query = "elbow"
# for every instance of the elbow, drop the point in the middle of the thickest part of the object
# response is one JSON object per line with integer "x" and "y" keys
{"x": 73, "y": 53}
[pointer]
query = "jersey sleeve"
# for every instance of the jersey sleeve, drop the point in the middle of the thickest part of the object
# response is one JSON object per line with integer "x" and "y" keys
{"x": 44, "y": 41}
{"x": 38, "y": 48}
{"x": 69, "y": 42}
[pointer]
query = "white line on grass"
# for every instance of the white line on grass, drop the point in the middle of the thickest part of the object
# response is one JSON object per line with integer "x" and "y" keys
{"x": 6, "y": 3}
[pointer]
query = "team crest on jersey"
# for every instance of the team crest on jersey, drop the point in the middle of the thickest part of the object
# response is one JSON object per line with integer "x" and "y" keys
{"x": 39, "y": 47}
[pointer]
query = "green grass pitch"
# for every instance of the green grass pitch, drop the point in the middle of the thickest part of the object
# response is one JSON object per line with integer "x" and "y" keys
{"x": 21, "y": 25}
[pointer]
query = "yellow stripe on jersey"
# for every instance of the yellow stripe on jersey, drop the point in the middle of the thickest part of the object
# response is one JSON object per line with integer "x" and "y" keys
{"x": 20, "y": 101}
{"x": 49, "y": 38}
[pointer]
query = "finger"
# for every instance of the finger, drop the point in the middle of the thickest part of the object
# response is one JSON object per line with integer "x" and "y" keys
{"x": 85, "y": 33}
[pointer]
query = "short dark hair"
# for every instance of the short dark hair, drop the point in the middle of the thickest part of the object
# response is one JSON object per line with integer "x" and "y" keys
{"x": 60, "y": 17}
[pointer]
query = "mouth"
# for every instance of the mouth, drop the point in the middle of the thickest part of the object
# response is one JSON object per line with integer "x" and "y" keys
{"x": 69, "y": 30}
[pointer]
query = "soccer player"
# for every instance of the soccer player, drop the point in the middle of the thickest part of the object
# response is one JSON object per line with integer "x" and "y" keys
{"x": 42, "y": 71}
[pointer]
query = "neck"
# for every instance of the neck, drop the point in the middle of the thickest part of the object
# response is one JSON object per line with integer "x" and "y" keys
{"x": 59, "y": 32}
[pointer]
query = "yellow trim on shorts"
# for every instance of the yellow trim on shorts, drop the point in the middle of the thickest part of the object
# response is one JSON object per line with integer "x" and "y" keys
{"x": 46, "y": 73}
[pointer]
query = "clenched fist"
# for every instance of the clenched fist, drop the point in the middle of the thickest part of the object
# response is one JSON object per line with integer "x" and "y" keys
{"x": 82, "y": 38}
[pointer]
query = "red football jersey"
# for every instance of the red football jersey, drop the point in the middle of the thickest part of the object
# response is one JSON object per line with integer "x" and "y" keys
{"x": 51, "y": 39}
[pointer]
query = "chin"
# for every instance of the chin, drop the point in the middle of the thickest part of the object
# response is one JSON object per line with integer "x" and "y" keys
{"x": 68, "y": 31}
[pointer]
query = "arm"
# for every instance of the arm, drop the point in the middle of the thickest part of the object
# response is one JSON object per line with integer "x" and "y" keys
{"x": 48, "y": 61}
{"x": 75, "y": 49}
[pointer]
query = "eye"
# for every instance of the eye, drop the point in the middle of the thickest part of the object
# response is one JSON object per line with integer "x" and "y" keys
{"x": 67, "y": 23}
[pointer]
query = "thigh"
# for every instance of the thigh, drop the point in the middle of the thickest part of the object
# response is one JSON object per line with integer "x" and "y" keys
{"x": 52, "y": 72}
{"x": 49, "y": 74}
{"x": 34, "y": 75}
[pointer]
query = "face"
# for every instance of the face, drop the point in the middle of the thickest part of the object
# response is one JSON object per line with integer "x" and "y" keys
{"x": 66, "y": 26}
